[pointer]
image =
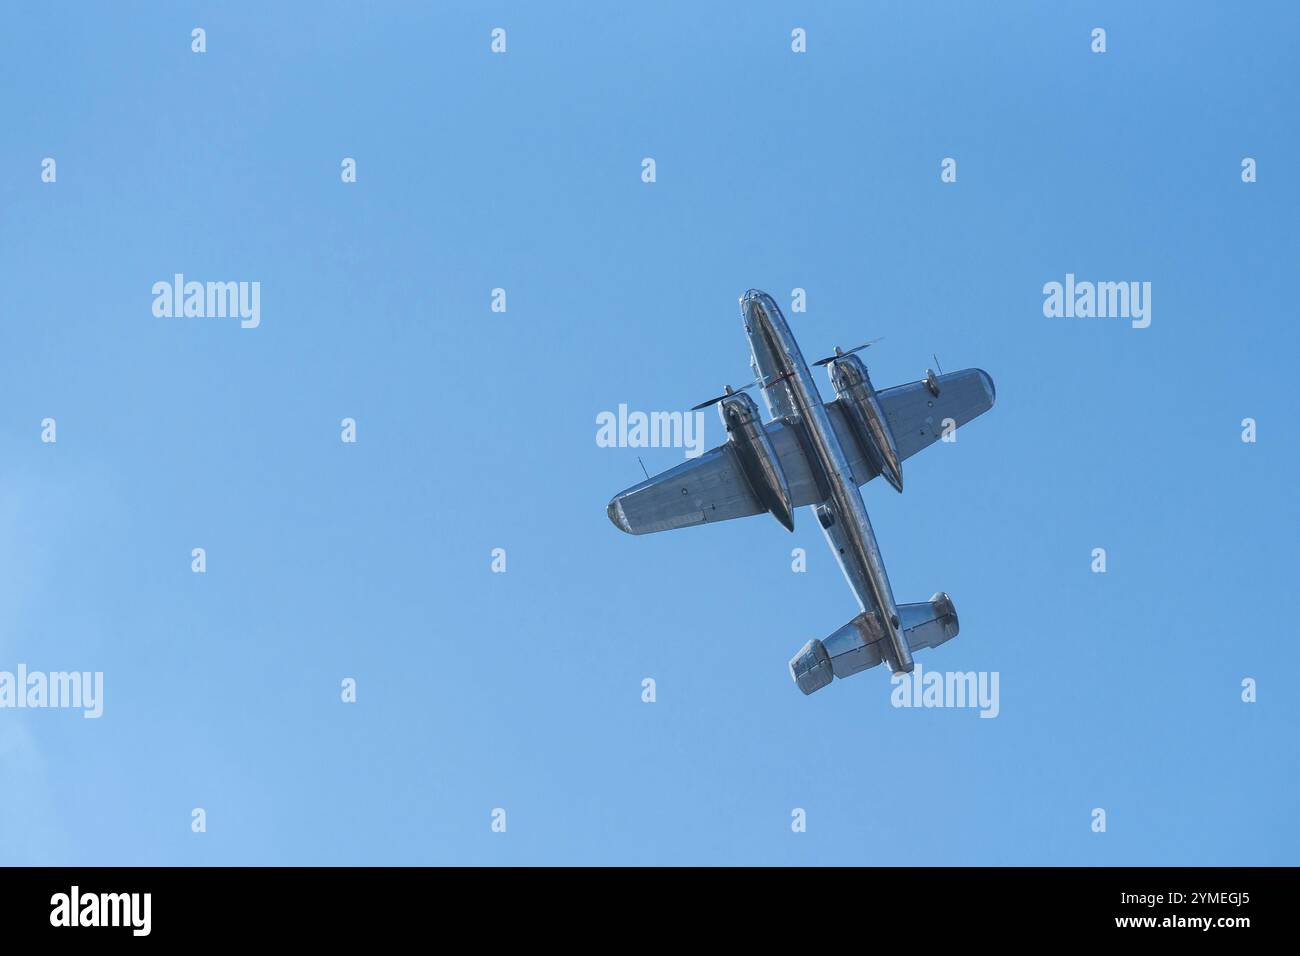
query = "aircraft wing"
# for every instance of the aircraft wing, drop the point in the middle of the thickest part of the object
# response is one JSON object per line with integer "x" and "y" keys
{"x": 916, "y": 416}
{"x": 713, "y": 487}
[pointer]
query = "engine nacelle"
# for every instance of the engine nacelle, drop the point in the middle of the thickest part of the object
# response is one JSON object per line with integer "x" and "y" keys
{"x": 862, "y": 409}
{"x": 758, "y": 459}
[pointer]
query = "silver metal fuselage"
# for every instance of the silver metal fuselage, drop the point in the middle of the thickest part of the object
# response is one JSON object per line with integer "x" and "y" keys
{"x": 849, "y": 532}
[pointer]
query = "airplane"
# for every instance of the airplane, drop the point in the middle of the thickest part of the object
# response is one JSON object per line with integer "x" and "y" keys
{"x": 815, "y": 453}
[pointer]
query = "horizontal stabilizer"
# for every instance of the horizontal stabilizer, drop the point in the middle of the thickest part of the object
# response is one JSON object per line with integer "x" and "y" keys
{"x": 929, "y": 624}
{"x": 863, "y": 642}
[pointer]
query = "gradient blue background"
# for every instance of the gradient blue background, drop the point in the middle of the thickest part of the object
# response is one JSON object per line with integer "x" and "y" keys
{"x": 477, "y": 430}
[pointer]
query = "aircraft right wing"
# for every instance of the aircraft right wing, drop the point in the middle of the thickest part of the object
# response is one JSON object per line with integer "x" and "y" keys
{"x": 713, "y": 487}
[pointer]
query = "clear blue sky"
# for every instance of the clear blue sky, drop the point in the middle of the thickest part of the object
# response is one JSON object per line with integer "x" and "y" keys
{"x": 477, "y": 430}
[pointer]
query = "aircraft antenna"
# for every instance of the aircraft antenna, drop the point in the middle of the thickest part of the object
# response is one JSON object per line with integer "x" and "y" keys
{"x": 647, "y": 474}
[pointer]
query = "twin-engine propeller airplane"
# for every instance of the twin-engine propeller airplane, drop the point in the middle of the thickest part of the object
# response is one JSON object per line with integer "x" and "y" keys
{"x": 810, "y": 453}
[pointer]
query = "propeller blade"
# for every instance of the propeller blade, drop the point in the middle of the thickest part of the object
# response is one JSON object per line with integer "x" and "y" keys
{"x": 840, "y": 354}
{"x": 727, "y": 394}
{"x": 712, "y": 401}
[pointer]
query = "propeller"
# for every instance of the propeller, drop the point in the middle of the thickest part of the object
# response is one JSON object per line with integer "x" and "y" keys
{"x": 840, "y": 353}
{"x": 727, "y": 394}
{"x": 744, "y": 388}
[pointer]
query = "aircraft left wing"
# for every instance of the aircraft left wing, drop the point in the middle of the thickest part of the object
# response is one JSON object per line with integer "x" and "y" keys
{"x": 916, "y": 415}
